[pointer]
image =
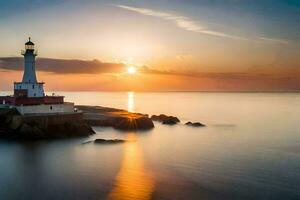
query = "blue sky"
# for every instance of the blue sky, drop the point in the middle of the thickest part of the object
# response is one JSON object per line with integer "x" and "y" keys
{"x": 273, "y": 18}
{"x": 278, "y": 18}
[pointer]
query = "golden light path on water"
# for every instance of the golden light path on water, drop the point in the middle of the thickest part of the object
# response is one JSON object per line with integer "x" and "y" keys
{"x": 133, "y": 180}
{"x": 130, "y": 101}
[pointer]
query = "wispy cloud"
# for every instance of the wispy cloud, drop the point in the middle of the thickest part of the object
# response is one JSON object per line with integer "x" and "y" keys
{"x": 274, "y": 40}
{"x": 63, "y": 66}
{"x": 217, "y": 75}
{"x": 189, "y": 24}
{"x": 182, "y": 22}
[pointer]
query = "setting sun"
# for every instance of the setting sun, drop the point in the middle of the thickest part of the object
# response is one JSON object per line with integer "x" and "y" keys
{"x": 131, "y": 70}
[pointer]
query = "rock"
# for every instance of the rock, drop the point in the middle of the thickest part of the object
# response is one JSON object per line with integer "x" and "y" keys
{"x": 116, "y": 118}
{"x": 6, "y": 132}
{"x": 144, "y": 123}
{"x": 140, "y": 123}
{"x": 6, "y": 115}
{"x": 159, "y": 118}
{"x": 113, "y": 141}
{"x": 25, "y": 128}
{"x": 16, "y": 122}
{"x": 170, "y": 120}
{"x": 69, "y": 129}
{"x": 195, "y": 124}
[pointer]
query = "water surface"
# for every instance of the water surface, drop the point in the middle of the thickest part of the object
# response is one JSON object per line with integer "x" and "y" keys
{"x": 249, "y": 150}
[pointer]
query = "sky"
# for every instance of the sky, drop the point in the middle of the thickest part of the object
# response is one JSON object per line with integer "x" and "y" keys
{"x": 173, "y": 45}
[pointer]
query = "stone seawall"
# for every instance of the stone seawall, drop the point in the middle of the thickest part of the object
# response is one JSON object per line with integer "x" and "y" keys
{"x": 16, "y": 126}
{"x": 53, "y": 119}
{"x": 46, "y": 109}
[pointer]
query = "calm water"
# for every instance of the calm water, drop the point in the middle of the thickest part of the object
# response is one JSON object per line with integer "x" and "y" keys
{"x": 250, "y": 150}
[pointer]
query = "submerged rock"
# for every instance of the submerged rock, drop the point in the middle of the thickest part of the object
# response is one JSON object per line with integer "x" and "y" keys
{"x": 195, "y": 124}
{"x": 110, "y": 141}
{"x": 170, "y": 120}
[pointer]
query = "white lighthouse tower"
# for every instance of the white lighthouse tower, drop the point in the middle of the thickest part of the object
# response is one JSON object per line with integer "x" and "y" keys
{"x": 29, "y": 63}
{"x": 29, "y": 87}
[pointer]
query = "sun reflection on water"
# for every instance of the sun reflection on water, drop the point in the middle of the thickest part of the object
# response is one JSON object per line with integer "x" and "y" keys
{"x": 130, "y": 101}
{"x": 133, "y": 180}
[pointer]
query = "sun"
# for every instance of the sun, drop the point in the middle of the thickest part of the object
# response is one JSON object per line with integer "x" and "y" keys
{"x": 131, "y": 70}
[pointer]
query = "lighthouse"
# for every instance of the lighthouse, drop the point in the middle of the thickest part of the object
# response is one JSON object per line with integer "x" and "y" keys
{"x": 29, "y": 87}
{"x": 29, "y": 97}
{"x": 29, "y": 54}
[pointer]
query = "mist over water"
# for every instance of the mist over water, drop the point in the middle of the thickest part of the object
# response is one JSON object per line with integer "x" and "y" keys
{"x": 250, "y": 149}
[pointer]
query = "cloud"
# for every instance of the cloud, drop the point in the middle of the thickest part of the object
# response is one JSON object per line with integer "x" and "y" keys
{"x": 188, "y": 24}
{"x": 274, "y": 40}
{"x": 64, "y": 66}
{"x": 217, "y": 75}
{"x": 182, "y": 22}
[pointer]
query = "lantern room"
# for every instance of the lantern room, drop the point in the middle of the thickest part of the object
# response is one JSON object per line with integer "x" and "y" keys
{"x": 29, "y": 45}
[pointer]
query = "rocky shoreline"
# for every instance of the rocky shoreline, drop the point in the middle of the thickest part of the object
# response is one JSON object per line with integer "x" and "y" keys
{"x": 77, "y": 124}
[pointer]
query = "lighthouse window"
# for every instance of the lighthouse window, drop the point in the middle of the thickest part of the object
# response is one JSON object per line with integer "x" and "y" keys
{"x": 50, "y": 107}
{"x": 32, "y": 86}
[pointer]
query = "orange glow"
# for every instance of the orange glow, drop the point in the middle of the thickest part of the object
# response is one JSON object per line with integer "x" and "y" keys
{"x": 131, "y": 70}
{"x": 154, "y": 82}
{"x": 133, "y": 180}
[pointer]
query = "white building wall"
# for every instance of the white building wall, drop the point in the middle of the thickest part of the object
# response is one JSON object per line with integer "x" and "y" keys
{"x": 33, "y": 89}
{"x": 46, "y": 109}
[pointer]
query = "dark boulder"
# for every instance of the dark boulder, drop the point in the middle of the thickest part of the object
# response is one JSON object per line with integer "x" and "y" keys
{"x": 116, "y": 118}
{"x": 123, "y": 123}
{"x": 6, "y": 115}
{"x": 195, "y": 124}
{"x": 69, "y": 129}
{"x": 140, "y": 123}
{"x": 29, "y": 131}
{"x": 159, "y": 118}
{"x": 169, "y": 120}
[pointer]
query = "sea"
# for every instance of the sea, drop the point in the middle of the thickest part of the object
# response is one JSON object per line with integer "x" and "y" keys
{"x": 249, "y": 149}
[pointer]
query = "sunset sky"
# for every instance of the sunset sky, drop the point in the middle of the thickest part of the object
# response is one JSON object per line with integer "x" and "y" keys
{"x": 189, "y": 45}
